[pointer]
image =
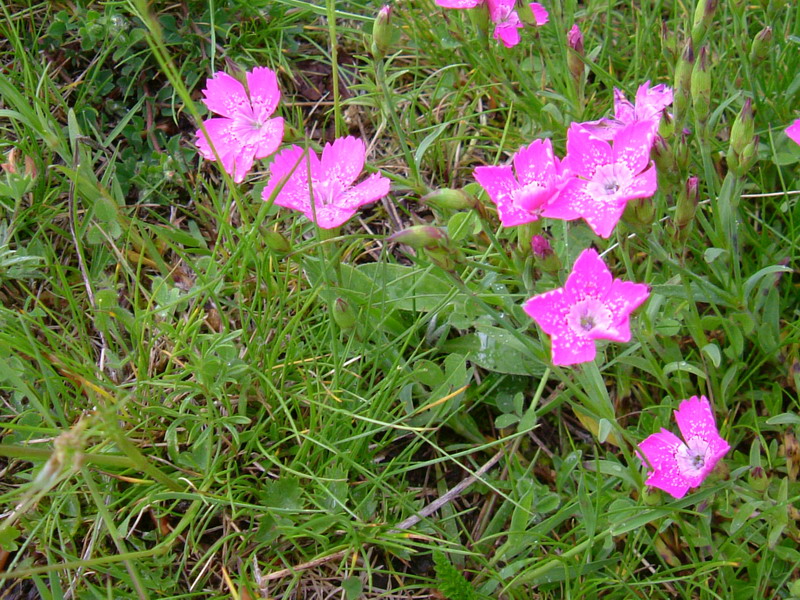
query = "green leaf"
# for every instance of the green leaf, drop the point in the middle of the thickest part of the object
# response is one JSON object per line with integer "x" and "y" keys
{"x": 8, "y": 538}
{"x": 506, "y": 420}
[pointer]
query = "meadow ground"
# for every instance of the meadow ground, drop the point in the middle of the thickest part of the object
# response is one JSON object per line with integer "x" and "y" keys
{"x": 206, "y": 395}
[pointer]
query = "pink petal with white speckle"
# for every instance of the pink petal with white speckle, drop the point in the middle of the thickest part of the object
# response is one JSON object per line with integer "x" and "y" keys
{"x": 269, "y": 138}
{"x": 226, "y": 96}
{"x": 585, "y": 152}
{"x": 343, "y": 160}
{"x": 536, "y": 163}
{"x": 549, "y": 309}
{"x": 289, "y": 176}
{"x": 590, "y": 277}
{"x": 264, "y": 93}
{"x": 500, "y": 184}
{"x": 571, "y": 350}
{"x": 632, "y": 145}
{"x": 623, "y": 108}
{"x": 651, "y": 101}
{"x": 696, "y": 419}
{"x": 660, "y": 450}
{"x": 603, "y": 217}
{"x": 373, "y": 188}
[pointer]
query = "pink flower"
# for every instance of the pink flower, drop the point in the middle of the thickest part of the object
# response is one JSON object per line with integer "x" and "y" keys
{"x": 591, "y": 306}
{"x": 504, "y": 15}
{"x": 678, "y": 466}
{"x": 649, "y": 106}
{"x": 533, "y": 192}
{"x": 793, "y": 131}
{"x": 606, "y": 177}
{"x": 507, "y": 22}
{"x": 245, "y": 131}
{"x": 323, "y": 189}
{"x": 575, "y": 39}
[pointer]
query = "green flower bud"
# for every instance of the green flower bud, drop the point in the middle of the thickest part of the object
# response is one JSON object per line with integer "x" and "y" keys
{"x": 758, "y": 479}
{"x": 662, "y": 155}
{"x": 669, "y": 42}
{"x": 450, "y": 198}
{"x": 761, "y": 46}
{"x": 343, "y": 314}
{"x": 683, "y": 82}
{"x": 420, "y": 236}
{"x": 743, "y": 127}
{"x": 688, "y": 199}
{"x": 703, "y": 15}
{"x": 651, "y": 496}
{"x": 382, "y": 32}
{"x": 277, "y": 242}
{"x": 701, "y": 86}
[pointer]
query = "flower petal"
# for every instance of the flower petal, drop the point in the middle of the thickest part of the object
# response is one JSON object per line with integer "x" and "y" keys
{"x": 500, "y": 184}
{"x": 660, "y": 449}
{"x": 508, "y": 33}
{"x": 696, "y": 419}
{"x": 603, "y": 217}
{"x": 289, "y": 180}
{"x": 373, "y": 188}
{"x": 343, "y": 161}
{"x": 632, "y": 145}
{"x": 793, "y": 131}
{"x": 458, "y": 3}
{"x": 643, "y": 185}
{"x": 270, "y": 137}
{"x": 585, "y": 152}
{"x": 539, "y": 13}
{"x": 264, "y": 93}
{"x": 536, "y": 163}
{"x": 650, "y": 101}
{"x": 571, "y": 349}
{"x": 590, "y": 277}
{"x": 623, "y": 298}
{"x": 225, "y": 96}
{"x": 623, "y": 109}
{"x": 549, "y": 310}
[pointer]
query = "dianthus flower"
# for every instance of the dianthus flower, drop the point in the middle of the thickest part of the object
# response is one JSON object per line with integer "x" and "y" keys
{"x": 324, "y": 190}
{"x": 503, "y": 14}
{"x": 649, "y": 107}
{"x": 678, "y": 465}
{"x": 530, "y": 193}
{"x": 793, "y": 131}
{"x": 244, "y": 132}
{"x": 591, "y": 306}
{"x": 606, "y": 177}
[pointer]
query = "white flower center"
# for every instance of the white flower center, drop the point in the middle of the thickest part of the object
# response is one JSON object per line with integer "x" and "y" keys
{"x": 692, "y": 457}
{"x": 608, "y": 180}
{"x": 587, "y": 315}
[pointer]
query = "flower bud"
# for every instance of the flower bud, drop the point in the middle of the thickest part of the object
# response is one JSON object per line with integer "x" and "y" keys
{"x": 682, "y": 150}
{"x": 758, "y": 479}
{"x": 445, "y": 257}
{"x": 701, "y": 86}
{"x": 546, "y": 258}
{"x": 761, "y": 46}
{"x": 683, "y": 82}
{"x": 666, "y": 127}
{"x": 343, "y": 314}
{"x": 382, "y": 32}
{"x": 669, "y": 42}
{"x": 277, "y": 242}
{"x": 688, "y": 199}
{"x": 651, "y": 496}
{"x": 742, "y": 128}
{"x": 575, "y": 53}
{"x": 662, "y": 155}
{"x": 703, "y": 15}
{"x": 449, "y": 198}
{"x": 420, "y": 236}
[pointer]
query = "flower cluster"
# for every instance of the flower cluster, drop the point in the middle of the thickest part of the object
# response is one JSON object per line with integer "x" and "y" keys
{"x": 323, "y": 190}
{"x": 504, "y": 16}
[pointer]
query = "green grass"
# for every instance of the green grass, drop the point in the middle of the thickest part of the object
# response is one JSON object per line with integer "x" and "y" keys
{"x": 189, "y": 413}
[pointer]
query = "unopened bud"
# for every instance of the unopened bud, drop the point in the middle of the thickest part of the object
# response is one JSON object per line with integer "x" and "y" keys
{"x": 749, "y": 156}
{"x": 682, "y": 150}
{"x": 420, "y": 236}
{"x": 445, "y": 257}
{"x": 701, "y": 86}
{"x": 683, "y": 82}
{"x": 666, "y": 126}
{"x": 662, "y": 155}
{"x": 688, "y": 199}
{"x": 546, "y": 258}
{"x": 758, "y": 479}
{"x": 669, "y": 42}
{"x": 651, "y": 496}
{"x": 382, "y": 32}
{"x": 450, "y": 198}
{"x": 761, "y": 46}
{"x": 575, "y": 53}
{"x": 343, "y": 314}
{"x": 703, "y": 15}
{"x": 742, "y": 128}
{"x": 277, "y": 242}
